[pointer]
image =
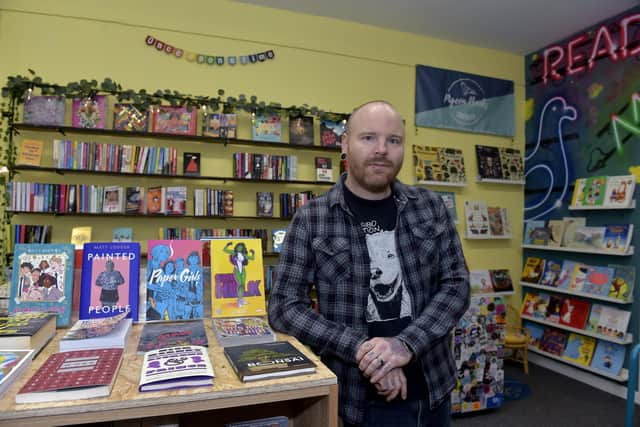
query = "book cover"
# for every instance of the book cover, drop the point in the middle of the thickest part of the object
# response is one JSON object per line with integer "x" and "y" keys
{"x": 577, "y": 198}
{"x": 324, "y": 171}
{"x": 588, "y": 237}
{"x": 264, "y": 203}
{"x": 28, "y": 330}
{"x": 427, "y": 164}
{"x": 175, "y": 200}
{"x": 89, "y": 112}
{"x": 570, "y": 229}
{"x": 579, "y": 277}
{"x": 574, "y": 313}
{"x": 331, "y": 132}
{"x": 113, "y": 201}
{"x": 501, "y": 280}
{"x": 277, "y": 238}
{"x": 553, "y": 309}
{"x": 110, "y": 280}
{"x": 237, "y": 276}
{"x": 267, "y": 128}
{"x": 553, "y": 341}
{"x": 623, "y": 281}
{"x": 551, "y": 275}
{"x": 220, "y": 125}
{"x": 579, "y": 349}
{"x": 533, "y": 269}
{"x": 613, "y": 322}
{"x": 480, "y": 281}
{"x": 598, "y": 281}
{"x": 174, "y": 120}
{"x": 529, "y": 228}
{"x": 477, "y": 218}
{"x": 172, "y": 334}
{"x": 496, "y": 225}
{"x": 488, "y": 158}
{"x": 512, "y": 164}
{"x": 542, "y": 306}
{"x": 80, "y": 236}
{"x": 268, "y": 360}
{"x": 155, "y": 201}
{"x": 620, "y": 191}
{"x": 71, "y": 375}
{"x": 122, "y": 234}
{"x": 301, "y": 130}
{"x": 44, "y": 110}
{"x": 617, "y": 237}
{"x": 535, "y": 333}
{"x": 191, "y": 164}
{"x": 452, "y": 165}
{"x": 449, "y": 199}
{"x": 594, "y": 191}
{"x": 556, "y": 228}
{"x": 42, "y": 279}
{"x": 242, "y": 330}
{"x": 30, "y": 152}
{"x": 594, "y": 318}
{"x": 174, "y": 283}
{"x": 608, "y": 357}
{"x": 12, "y": 364}
{"x": 104, "y": 332}
{"x": 566, "y": 274}
{"x": 529, "y": 304}
{"x": 127, "y": 117}
{"x": 175, "y": 367}
{"x": 135, "y": 202}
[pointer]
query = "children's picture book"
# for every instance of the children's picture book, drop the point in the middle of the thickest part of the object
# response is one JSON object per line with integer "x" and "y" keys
{"x": 242, "y": 330}
{"x": 30, "y": 152}
{"x": 110, "y": 278}
{"x": 574, "y": 312}
{"x": 594, "y": 318}
{"x": 617, "y": 237}
{"x": 449, "y": 199}
{"x": 529, "y": 230}
{"x": 267, "y": 128}
{"x": 301, "y": 130}
{"x": 122, "y": 234}
{"x": 172, "y": 334}
{"x": 89, "y": 112}
{"x": 551, "y": 273}
{"x": 176, "y": 367}
{"x": 113, "y": 201}
{"x": 588, "y": 237}
{"x": 556, "y": 232}
{"x": 594, "y": 191}
{"x": 577, "y": 198}
{"x": 135, "y": 201}
{"x": 488, "y": 158}
{"x": 553, "y": 341}
{"x": 529, "y": 304}
{"x": 623, "y": 281}
{"x": 533, "y": 270}
{"x": 566, "y": 274}
{"x": 176, "y": 200}
{"x": 237, "y": 278}
{"x": 103, "y": 332}
{"x": 501, "y": 280}
{"x": 155, "y": 201}
{"x": 480, "y": 281}
{"x": 72, "y": 375}
{"x": 608, "y": 357}
{"x": 221, "y": 125}
{"x": 438, "y": 164}
{"x": 579, "y": 349}
{"x": 512, "y": 164}
{"x": 613, "y": 322}
{"x": 277, "y": 238}
{"x": 42, "y": 279}
{"x": 29, "y": 330}
{"x": 12, "y": 364}
{"x": 331, "y": 132}
{"x": 598, "y": 280}
{"x": 44, "y": 110}
{"x": 127, "y": 117}
{"x": 477, "y": 218}
{"x": 80, "y": 236}
{"x": 264, "y": 203}
{"x": 620, "y": 191}
{"x": 542, "y": 306}
{"x": 535, "y": 333}
{"x": 174, "y": 120}
{"x": 553, "y": 309}
{"x": 175, "y": 280}
{"x": 572, "y": 223}
{"x": 254, "y": 362}
{"x": 191, "y": 164}
{"x": 496, "y": 221}
{"x": 579, "y": 277}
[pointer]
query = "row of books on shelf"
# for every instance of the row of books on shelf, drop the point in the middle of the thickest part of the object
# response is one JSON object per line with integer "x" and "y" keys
{"x": 486, "y": 221}
{"x": 572, "y": 232}
{"x": 603, "y": 191}
{"x": 265, "y": 166}
{"x": 603, "y": 356}
{"x": 489, "y": 281}
{"x": 93, "y": 113}
{"x": 576, "y": 313}
{"x": 613, "y": 281}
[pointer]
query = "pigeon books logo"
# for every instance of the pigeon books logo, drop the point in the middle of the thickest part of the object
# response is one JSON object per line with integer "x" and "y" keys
{"x": 467, "y": 102}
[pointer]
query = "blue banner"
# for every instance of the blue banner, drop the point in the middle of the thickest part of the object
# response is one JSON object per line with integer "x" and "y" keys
{"x": 462, "y": 101}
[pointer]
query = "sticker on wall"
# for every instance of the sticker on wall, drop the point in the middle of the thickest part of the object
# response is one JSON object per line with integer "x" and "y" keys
{"x": 203, "y": 59}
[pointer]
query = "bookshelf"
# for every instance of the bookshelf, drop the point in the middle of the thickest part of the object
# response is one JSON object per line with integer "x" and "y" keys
{"x": 576, "y": 293}
{"x": 621, "y": 377}
{"x": 577, "y": 250}
{"x": 628, "y": 339}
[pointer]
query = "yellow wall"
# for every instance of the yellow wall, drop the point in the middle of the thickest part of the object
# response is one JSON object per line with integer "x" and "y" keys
{"x": 333, "y": 64}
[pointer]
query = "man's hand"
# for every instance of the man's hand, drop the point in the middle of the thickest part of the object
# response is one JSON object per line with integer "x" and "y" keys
{"x": 393, "y": 383}
{"x": 378, "y": 356}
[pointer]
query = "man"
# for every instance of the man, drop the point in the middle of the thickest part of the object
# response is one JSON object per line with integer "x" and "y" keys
{"x": 390, "y": 277}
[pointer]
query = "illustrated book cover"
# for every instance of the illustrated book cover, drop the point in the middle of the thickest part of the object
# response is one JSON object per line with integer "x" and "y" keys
{"x": 613, "y": 322}
{"x": 12, "y": 364}
{"x": 553, "y": 341}
{"x": 221, "y": 125}
{"x": 572, "y": 223}
{"x": 122, "y": 234}
{"x": 594, "y": 191}
{"x": 579, "y": 349}
{"x": 623, "y": 282}
{"x": 608, "y": 357}
{"x": 172, "y": 334}
{"x": 242, "y": 330}
{"x": 175, "y": 281}
{"x": 574, "y": 312}
{"x": 237, "y": 278}
{"x": 44, "y": 110}
{"x": 620, "y": 191}
{"x": 589, "y": 238}
{"x": 191, "y": 164}
{"x": 110, "y": 279}
{"x": 127, "y": 117}
{"x": 113, "y": 201}
{"x": 501, "y": 280}
{"x": 301, "y": 130}
{"x": 30, "y": 152}
{"x": 331, "y": 132}
{"x": 176, "y": 367}
{"x": 103, "y": 332}
{"x": 29, "y": 330}
{"x": 277, "y": 238}
{"x": 577, "y": 198}
{"x": 556, "y": 228}
{"x": 254, "y": 362}
{"x": 598, "y": 281}
{"x": 497, "y": 221}
{"x": 535, "y": 333}
{"x": 480, "y": 281}
{"x": 477, "y": 218}
{"x": 267, "y": 128}
{"x": 512, "y": 164}
{"x": 264, "y": 203}
{"x": 617, "y": 237}
{"x": 174, "y": 120}
{"x": 324, "y": 171}
{"x": 43, "y": 279}
{"x": 80, "y": 236}
{"x": 89, "y": 112}
{"x": 594, "y": 318}
{"x": 449, "y": 199}
{"x": 533, "y": 270}
{"x": 156, "y": 200}
{"x": 175, "y": 200}
{"x": 488, "y": 158}
{"x": 135, "y": 201}
{"x": 551, "y": 275}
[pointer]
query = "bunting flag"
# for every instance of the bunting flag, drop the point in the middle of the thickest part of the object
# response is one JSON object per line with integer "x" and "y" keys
{"x": 203, "y": 59}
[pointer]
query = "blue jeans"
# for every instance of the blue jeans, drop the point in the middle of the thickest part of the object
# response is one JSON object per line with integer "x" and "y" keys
{"x": 400, "y": 413}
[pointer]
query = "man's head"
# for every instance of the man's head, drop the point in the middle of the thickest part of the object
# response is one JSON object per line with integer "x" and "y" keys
{"x": 374, "y": 145}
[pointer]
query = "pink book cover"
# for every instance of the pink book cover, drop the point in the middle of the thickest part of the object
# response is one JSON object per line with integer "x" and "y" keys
{"x": 89, "y": 112}
{"x": 175, "y": 280}
{"x": 174, "y": 120}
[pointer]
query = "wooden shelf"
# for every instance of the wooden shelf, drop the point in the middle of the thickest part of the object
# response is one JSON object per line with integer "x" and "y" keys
{"x": 623, "y": 376}
{"x": 498, "y": 181}
{"x": 628, "y": 339}
{"x": 576, "y": 250}
{"x": 492, "y": 294}
{"x": 225, "y": 218}
{"x": 576, "y": 293}
{"x": 442, "y": 184}
{"x": 631, "y": 205}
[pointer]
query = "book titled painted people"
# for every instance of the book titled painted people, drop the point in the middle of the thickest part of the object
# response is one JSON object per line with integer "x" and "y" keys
{"x": 42, "y": 280}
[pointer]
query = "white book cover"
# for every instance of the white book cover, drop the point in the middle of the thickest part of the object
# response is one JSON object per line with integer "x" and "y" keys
{"x": 176, "y": 367}
{"x": 109, "y": 332}
{"x": 613, "y": 322}
{"x": 588, "y": 237}
{"x": 477, "y": 218}
{"x": 571, "y": 223}
{"x": 480, "y": 281}
{"x": 619, "y": 192}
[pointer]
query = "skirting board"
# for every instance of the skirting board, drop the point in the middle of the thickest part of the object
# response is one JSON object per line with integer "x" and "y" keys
{"x": 593, "y": 380}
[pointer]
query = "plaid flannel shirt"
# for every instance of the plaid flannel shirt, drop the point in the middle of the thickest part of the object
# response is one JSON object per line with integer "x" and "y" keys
{"x": 326, "y": 247}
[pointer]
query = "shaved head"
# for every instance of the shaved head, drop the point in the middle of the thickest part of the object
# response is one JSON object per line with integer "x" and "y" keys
{"x": 359, "y": 108}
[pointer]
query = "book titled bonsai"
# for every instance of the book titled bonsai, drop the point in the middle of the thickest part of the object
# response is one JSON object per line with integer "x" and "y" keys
{"x": 254, "y": 362}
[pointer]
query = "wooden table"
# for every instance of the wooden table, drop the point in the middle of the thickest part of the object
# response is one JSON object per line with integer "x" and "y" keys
{"x": 308, "y": 400}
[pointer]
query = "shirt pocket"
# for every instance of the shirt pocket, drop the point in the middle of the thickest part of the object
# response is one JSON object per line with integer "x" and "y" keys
{"x": 333, "y": 261}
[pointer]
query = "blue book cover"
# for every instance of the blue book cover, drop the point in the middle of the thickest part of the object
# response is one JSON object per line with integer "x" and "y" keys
{"x": 110, "y": 279}
{"x": 608, "y": 357}
{"x": 598, "y": 280}
{"x": 267, "y": 128}
{"x": 43, "y": 280}
{"x": 277, "y": 236}
{"x": 566, "y": 274}
{"x": 535, "y": 333}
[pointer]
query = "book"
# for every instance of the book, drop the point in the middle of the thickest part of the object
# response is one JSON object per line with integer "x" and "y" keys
{"x": 496, "y": 222}
{"x": 12, "y": 365}
{"x": 277, "y": 238}
{"x": 477, "y": 218}
{"x": 588, "y": 237}
{"x": 301, "y": 130}
{"x": 221, "y": 125}
{"x": 174, "y": 120}
{"x": 135, "y": 201}
{"x": 44, "y": 110}
{"x": 623, "y": 281}
{"x": 529, "y": 304}
{"x": 488, "y": 158}
{"x": 113, "y": 201}
{"x": 501, "y": 280}
{"x": 449, "y": 199}
{"x": 278, "y": 421}
{"x": 617, "y": 237}
{"x": 572, "y": 223}
{"x": 608, "y": 357}
{"x": 533, "y": 269}
{"x": 175, "y": 200}
{"x": 266, "y": 128}
{"x": 264, "y": 203}
{"x": 553, "y": 309}
{"x": 553, "y": 341}
{"x": 577, "y": 198}
{"x": 324, "y": 172}
{"x": 594, "y": 318}
{"x": 613, "y": 322}
{"x": 512, "y": 164}
{"x": 579, "y": 349}
{"x": 619, "y": 192}
{"x": 155, "y": 201}
{"x": 175, "y": 280}
{"x": 566, "y": 274}
{"x": 556, "y": 232}
{"x": 594, "y": 191}
{"x": 30, "y": 152}
{"x": 89, "y": 112}
{"x": 598, "y": 281}
{"x": 172, "y": 334}
{"x": 191, "y": 164}
{"x": 176, "y": 367}
{"x": 542, "y": 306}
{"x": 254, "y": 362}
{"x": 80, "y": 236}
{"x": 242, "y": 330}
{"x": 331, "y": 132}
{"x": 103, "y": 332}
{"x": 535, "y": 333}
{"x": 529, "y": 227}
{"x": 551, "y": 274}
{"x": 480, "y": 281}
{"x": 25, "y": 331}
{"x": 122, "y": 234}
{"x": 110, "y": 280}
{"x": 129, "y": 118}
{"x": 237, "y": 278}
{"x": 42, "y": 279}
{"x": 438, "y": 164}
{"x": 579, "y": 277}
{"x": 72, "y": 375}
{"x": 574, "y": 313}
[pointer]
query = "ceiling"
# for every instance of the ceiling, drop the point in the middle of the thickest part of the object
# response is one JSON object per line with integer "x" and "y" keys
{"x": 517, "y": 26}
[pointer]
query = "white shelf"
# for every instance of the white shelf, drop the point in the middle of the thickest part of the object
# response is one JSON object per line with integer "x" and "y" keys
{"x": 631, "y": 205}
{"x": 442, "y": 183}
{"x": 499, "y": 181}
{"x": 622, "y": 377}
{"x": 492, "y": 294}
{"x": 628, "y": 339}
{"x": 471, "y": 237}
{"x": 584, "y": 251}
{"x": 577, "y": 293}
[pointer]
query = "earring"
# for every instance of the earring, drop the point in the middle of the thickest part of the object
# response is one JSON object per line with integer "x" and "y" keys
{"x": 343, "y": 156}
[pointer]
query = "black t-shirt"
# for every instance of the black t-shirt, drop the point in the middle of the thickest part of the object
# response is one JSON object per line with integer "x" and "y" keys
{"x": 388, "y": 303}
